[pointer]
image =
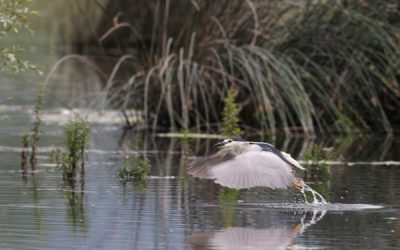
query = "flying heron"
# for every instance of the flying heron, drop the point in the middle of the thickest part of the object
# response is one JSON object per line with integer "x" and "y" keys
{"x": 241, "y": 164}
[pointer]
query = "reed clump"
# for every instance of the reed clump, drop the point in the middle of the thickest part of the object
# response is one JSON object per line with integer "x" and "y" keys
{"x": 77, "y": 143}
{"x": 299, "y": 66}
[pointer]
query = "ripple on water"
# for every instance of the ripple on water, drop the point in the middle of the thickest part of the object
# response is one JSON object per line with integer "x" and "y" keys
{"x": 316, "y": 206}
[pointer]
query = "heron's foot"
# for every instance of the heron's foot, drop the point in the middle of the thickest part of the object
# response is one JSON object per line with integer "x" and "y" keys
{"x": 297, "y": 229}
{"x": 298, "y": 184}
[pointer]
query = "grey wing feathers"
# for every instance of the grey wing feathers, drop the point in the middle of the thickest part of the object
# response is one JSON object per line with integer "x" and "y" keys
{"x": 254, "y": 169}
{"x": 250, "y": 169}
{"x": 200, "y": 167}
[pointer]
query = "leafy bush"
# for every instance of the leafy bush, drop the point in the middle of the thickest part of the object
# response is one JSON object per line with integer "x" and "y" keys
{"x": 13, "y": 19}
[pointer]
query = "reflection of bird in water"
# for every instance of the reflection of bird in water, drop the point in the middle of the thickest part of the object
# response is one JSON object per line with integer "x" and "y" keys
{"x": 243, "y": 164}
{"x": 243, "y": 238}
{"x": 274, "y": 237}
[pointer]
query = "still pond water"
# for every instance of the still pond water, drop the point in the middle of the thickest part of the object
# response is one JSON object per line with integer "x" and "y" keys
{"x": 172, "y": 211}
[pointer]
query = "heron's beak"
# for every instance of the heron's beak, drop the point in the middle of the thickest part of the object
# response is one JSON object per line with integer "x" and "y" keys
{"x": 219, "y": 144}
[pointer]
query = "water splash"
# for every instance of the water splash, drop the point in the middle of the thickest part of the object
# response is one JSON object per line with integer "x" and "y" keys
{"x": 318, "y": 199}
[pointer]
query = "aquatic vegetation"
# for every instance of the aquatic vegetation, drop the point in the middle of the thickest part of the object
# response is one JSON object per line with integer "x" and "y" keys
{"x": 54, "y": 154}
{"x": 38, "y": 107}
{"x": 25, "y": 140}
{"x": 77, "y": 143}
{"x": 24, "y": 154}
{"x": 315, "y": 159}
{"x": 140, "y": 169}
{"x": 309, "y": 66}
{"x": 137, "y": 170}
{"x": 34, "y": 138}
{"x": 140, "y": 186}
{"x": 317, "y": 170}
{"x": 230, "y": 120}
{"x": 37, "y": 123}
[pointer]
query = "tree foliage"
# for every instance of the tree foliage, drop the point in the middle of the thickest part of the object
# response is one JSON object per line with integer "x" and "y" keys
{"x": 13, "y": 20}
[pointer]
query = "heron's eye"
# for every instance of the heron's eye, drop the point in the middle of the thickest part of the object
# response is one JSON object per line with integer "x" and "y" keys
{"x": 229, "y": 140}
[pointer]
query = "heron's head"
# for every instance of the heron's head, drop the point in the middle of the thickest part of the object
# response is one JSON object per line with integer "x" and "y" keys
{"x": 231, "y": 142}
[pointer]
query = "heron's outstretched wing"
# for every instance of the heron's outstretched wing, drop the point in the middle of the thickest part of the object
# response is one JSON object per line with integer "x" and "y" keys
{"x": 252, "y": 169}
{"x": 200, "y": 167}
{"x": 285, "y": 156}
{"x": 290, "y": 159}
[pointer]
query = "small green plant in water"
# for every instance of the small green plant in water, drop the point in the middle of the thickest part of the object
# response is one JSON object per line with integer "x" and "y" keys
{"x": 25, "y": 140}
{"x": 315, "y": 158}
{"x": 53, "y": 155}
{"x": 77, "y": 143}
{"x": 139, "y": 170}
{"x": 37, "y": 123}
{"x": 38, "y": 107}
{"x": 230, "y": 119}
{"x": 24, "y": 153}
